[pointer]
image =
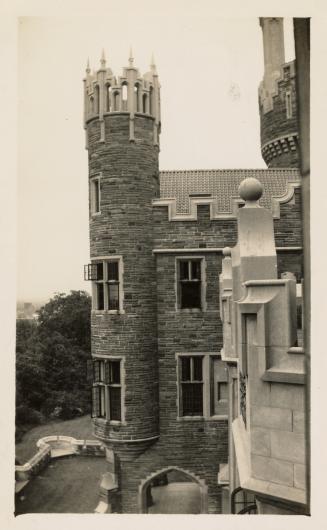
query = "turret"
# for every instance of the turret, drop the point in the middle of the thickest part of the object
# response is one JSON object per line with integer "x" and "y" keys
{"x": 277, "y": 100}
{"x": 131, "y": 93}
{"x": 122, "y": 123}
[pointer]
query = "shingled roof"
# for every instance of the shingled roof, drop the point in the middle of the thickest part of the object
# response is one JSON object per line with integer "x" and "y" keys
{"x": 219, "y": 187}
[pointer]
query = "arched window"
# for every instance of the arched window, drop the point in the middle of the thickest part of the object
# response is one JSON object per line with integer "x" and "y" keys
{"x": 92, "y": 105}
{"x": 288, "y": 99}
{"x": 136, "y": 97}
{"x": 144, "y": 103}
{"x": 151, "y": 101}
{"x": 124, "y": 96}
{"x": 97, "y": 99}
{"x": 108, "y": 98}
{"x": 115, "y": 101}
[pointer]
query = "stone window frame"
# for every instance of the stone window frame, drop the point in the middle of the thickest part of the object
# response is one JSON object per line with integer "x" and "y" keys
{"x": 203, "y": 265}
{"x": 106, "y": 386}
{"x": 95, "y": 191}
{"x": 104, "y": 260}
{"x": 207, "y": 387}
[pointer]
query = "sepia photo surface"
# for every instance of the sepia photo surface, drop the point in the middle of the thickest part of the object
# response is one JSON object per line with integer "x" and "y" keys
{"x": 163, "y": 274}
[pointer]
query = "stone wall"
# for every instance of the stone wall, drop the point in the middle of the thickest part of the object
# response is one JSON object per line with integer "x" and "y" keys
{"x": 129, "y": 181}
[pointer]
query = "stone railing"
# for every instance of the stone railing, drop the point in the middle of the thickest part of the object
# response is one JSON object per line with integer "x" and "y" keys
{"x": 54, "y": 447}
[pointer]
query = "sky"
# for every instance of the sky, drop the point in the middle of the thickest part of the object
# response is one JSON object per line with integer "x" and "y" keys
{"x": 209, "y": 69}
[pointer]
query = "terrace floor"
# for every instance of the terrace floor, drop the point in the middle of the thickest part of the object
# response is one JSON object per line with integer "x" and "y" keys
{"x": 67, "y": 485}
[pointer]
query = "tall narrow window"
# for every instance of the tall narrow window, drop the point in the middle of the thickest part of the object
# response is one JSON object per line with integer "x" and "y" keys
{"x": 106, "y": 392}
{"x": 191, "y": 380}
{"x": 108, "y": 99}
{"x": 144, "y": 103}
{"x": 190, "y": 285}
{"x": 124, "y": 96}
{"x": 97, "y": 99}
{"x": 218, "y": 387}
{"x": 151, "y": 101}
{"x": 115, "y": 101}
{"x": 95, "y": 195}
{"x": 288, "y": 105}
{"x": 136, "y": 96}
{"x": 113, "y": 284}
{"x": 92, "y": 105}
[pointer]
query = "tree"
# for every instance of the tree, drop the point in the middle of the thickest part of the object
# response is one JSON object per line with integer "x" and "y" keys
{"x": 69, "y": 315}
{"x": 51, "y": 357}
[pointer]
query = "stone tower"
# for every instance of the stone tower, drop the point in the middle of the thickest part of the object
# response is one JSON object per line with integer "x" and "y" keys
{"x": 122, "y": 124}
{"x": 277, "y": 100}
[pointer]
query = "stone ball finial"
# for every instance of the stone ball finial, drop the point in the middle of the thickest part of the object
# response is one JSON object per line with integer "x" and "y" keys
{"x": 250, "y": 189}
{"x": 227, "y": 251}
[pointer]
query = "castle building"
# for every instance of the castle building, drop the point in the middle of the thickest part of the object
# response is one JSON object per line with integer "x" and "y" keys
{"x": 160, "y": 390}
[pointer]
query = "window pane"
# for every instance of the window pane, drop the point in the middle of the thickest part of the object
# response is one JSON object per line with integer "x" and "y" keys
{"x": 96, "y": 371}
{"x": 95, "y": 402}
{"x": 190, "y": 294}
{"x": 113, "y": 296}
{"x": 99, "y": 275}
{"x": 100, "y": 298}
{"x": 115, "y": 403}
{"x": 183, "y": 270}
{"x": 115, "y": 372}
{"x": 113, "y": 271}
{"x": 102, "y": 401}
{"x": 192, "y": 399}
{"x": 197, "y": 368}
{"x": 101, "y": 363}
{"x": 186, "y": 368}
{"x": 196, "y": 270}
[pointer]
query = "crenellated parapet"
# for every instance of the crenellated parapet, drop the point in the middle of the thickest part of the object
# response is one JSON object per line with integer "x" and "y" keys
{"x": 132, "y": 93}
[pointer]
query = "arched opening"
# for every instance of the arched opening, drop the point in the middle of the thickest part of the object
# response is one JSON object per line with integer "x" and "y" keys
{"x": 173, "y": 490}
{"x": 97, "y": 99}
{"x": 92, "y": 105}
{"x": 115, "y": 105}
{"x": 124, "y": 96}
{"x": 151, "y": 101}
{"x": 144, "y": 103}
{"x": 136, "y": 97}
{"x": 108, "y": 98}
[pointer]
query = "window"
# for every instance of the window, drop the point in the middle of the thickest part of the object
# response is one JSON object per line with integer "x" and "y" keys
{"x": 218, "y": 387}
{"x": 106, "y": 391}
{"x": 95, "y": 195}
{"x": 202, "y": 386}
{"x": 190, "y": 285}
{"x": 106, "y": 286}
{"x": 192, "y": 386}
{"x": 288, "y": 105}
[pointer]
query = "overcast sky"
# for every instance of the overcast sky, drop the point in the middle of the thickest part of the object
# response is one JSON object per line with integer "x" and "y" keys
{"x": 209, "y": 69}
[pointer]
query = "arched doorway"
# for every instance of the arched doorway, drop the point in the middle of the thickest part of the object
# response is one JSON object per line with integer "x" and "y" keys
{"x": 173, "y": 490}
